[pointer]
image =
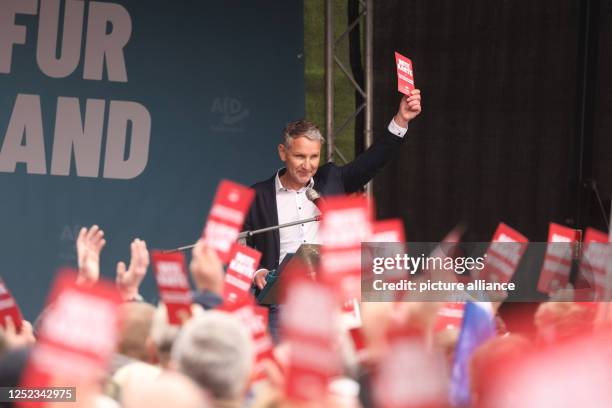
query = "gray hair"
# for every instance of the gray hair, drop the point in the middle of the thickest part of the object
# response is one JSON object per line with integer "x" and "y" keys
{"x": 301, "y": 128}
{"x": 216, "y": 351}
{"x": 163, "y": 334}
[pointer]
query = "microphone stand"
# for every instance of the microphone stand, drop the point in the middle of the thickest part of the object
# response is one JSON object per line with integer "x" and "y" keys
{"x": 246, "y": 234}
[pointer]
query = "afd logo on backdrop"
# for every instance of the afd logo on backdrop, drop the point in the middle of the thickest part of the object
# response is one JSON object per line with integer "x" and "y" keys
{"x": 230, "y": 113}
{"x": 96, "y": 44}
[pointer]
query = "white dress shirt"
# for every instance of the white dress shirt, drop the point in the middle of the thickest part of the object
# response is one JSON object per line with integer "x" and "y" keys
{"x": 292, "y": 205}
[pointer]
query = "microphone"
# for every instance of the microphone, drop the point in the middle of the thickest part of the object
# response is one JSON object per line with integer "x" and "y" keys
{"x": 314, "y": 196}
{"x": 245, "y": 234}
{"x": 311, "y": 194}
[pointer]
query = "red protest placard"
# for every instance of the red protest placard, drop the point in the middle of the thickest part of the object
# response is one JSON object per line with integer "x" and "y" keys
{"x": 239, "y": 275}
{"x": 504, "y": 254}
{"x": 229, "y": 208}
{"x": 350, "y": 314}
{"x": 450, "y": 316}
{"x": 255, "y": 319}
{"x": 408, "y": 354}
{"x": 9, "y": 308}
{"x": 264, "y": 346}
{"x": 388, "y": 231}
{"x": 78, "y": 333}
{"x": 390, "y": 235}
{"x": 593, "y": 263}
{"x": 173, "y": 285}
{"x": 405, "y": 74}
{"x": 308, "y": 328}
{"x": 359, "y": 343}
{"x": 558, "y": 258}
{"x": 346, "y": 223}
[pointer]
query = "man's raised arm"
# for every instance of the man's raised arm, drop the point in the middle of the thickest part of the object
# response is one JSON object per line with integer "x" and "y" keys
{"x": 361, "y": 170}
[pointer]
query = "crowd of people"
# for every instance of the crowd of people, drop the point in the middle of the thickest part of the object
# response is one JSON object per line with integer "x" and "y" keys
{"x": 208, "y": 361}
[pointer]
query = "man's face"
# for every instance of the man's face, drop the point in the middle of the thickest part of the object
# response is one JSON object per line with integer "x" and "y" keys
{"x": 301, "y": 159}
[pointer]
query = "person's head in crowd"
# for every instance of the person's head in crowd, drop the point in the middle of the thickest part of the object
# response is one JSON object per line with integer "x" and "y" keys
{"x": 216, "y": 351}
{"x": 163, "y": 334}
{"x": 300, "y": 150}
{"x": 170, "y": 389}
{"x": 490, "y": 362}
{"x": 559, "y": 321}
{"x": 136, "y": 320}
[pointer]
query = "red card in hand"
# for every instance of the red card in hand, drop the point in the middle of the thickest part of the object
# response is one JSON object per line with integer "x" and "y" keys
{"x": 239, "y": 275}
{"x": 504, "y": 254}
{"x": 9, "y": 308}
{"x": 173, "y": 285}
{"x": 226, "y": 217}
{"x": 255, "y": 319}
{"x": 388, "y": 231}
{"x": 308, "y": 328}
{"x": 405, "y": 74}
{"x": 450, "y": 316}
{"x": 408, "y": 353}
{"x": 78, "y": 333}
{"x": 593, "y": 263}
{"x": 346, "y": 223}
{"x": 558, "y": 258}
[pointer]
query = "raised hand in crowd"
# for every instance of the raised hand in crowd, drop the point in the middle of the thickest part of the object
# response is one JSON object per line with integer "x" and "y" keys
{"x": 14, "y": 339}
{"x": 129, "y": 278}
{"x": 206, "y": 269}
{"x": 409, "y": 108}
{"x": 89, "y": 244}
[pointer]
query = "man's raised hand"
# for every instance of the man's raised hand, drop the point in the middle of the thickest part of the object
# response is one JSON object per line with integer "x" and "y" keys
{"x": 128, "y": 279}
{"x": 206, "y": 269}
{"x": 89, "y": 244}
{"x": 409, "y": 108}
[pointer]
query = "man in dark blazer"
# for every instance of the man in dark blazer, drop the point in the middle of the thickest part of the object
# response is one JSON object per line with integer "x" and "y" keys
{"x": 282, "y": 197}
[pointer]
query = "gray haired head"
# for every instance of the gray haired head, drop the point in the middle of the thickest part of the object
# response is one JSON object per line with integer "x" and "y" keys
{"x": 215, "y": 350}
{"x": 301, "y": 128}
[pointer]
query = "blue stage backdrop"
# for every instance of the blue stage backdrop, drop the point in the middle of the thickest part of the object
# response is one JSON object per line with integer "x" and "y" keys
{"x": 127, "y": 114}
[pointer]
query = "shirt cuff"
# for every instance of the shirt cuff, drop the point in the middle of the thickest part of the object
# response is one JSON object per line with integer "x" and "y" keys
{"x": 207, "y": 299}
{"x": 396, "y": 129}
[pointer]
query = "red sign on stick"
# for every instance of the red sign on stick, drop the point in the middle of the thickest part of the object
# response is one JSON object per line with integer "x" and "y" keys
{"x": 78, "y": 333}
{"x": 408, "y": 354}
{"x": 558, "y": 258}
{"x": 405, "y": 74}
{"x": 504, "y": 254}
{"x": 173, "y": 285}
{"x": 450, "y": 316}
{"x": 308, "y": 327}
{"x": 593, "y": 263}
{"x": 226, "y": 217}
{"x": 346, "y": 223}
{"x": 9, "y": 308}
{"x": 255, "y": 318}
{"x": 239, "y": 275}
{"x": 388, "y": 231}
